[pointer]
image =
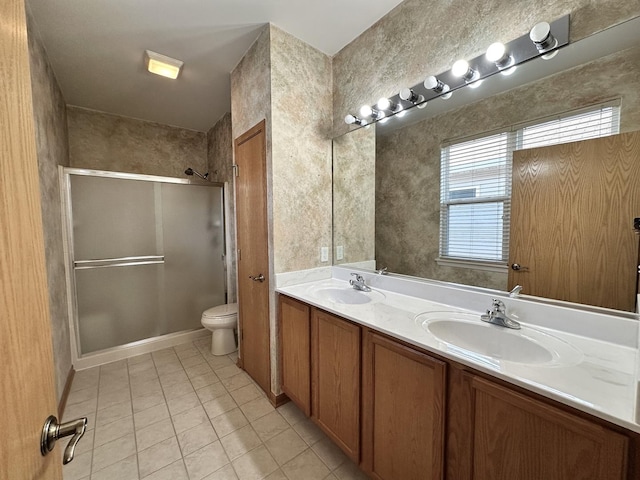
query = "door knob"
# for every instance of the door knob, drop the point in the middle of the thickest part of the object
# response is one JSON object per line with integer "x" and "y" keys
{"x": 53, "y": 431}
{"x": 257, "y": 278}
{"x": 519, "y": 268}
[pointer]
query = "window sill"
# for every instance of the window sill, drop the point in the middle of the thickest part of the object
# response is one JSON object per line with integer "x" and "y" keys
{"x": 473, "y": 264}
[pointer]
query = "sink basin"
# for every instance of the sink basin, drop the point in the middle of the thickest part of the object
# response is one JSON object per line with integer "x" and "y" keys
{"x": 465, "y": 334}
{"x": 347, "y": 296}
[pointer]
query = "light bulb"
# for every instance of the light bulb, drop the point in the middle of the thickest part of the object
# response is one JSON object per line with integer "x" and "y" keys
{"x": 446, "y": 93}
{"x": 542, "y": 38}
{"x": 408, "y": 95}
{"x": 496, "y": 52}
{"x": 460, "y": 68}
{"x": 350, "y": 119}
{"x": 383, "y": 103}
{"x": 365, "y": 111}
{"x": 432, "y": 82}
{"x": 540, "y": 32}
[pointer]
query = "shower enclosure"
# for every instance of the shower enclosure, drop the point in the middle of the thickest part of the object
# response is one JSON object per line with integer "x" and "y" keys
{"x": 146, "y": 256}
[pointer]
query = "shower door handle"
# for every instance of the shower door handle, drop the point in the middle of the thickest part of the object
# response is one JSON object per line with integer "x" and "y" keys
{"x": 257, "y": 278}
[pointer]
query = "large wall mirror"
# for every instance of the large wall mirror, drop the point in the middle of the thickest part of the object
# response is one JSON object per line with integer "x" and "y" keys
{"x": 387, "y": 177}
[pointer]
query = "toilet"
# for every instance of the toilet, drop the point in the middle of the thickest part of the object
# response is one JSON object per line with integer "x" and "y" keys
{"x": 222, "y": 321}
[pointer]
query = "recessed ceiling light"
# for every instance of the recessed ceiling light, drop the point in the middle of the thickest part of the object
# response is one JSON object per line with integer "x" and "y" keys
{"x": 162, "y": 65}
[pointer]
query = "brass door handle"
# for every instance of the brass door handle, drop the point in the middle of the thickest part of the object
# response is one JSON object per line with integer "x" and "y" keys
{"x": 257, "y": 278}
{"x": 53, "y": 431}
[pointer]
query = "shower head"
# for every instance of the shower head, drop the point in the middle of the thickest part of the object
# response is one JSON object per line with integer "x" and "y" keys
{"x": 191, "y": 171}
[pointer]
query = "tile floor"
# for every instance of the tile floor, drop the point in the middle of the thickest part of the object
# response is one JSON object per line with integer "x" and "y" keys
{"x": 182, "y": 413}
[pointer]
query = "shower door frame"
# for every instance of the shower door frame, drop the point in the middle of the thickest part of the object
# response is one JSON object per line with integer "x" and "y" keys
{"x": 146, "y": 345}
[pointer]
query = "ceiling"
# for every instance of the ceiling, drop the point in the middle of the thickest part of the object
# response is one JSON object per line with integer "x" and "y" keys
{"x": 96, "y": 48}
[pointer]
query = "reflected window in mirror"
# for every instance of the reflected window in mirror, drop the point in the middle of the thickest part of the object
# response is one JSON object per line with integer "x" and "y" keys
{"x": 475, "y": 183}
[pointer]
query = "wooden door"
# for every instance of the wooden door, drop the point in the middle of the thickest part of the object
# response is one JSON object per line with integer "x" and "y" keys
{"x": 27, "y": 392}
{"x": 572, "y": 215}
{"x": 295, "y": 351}
{"x": 335, "y": 367}
{"x": 403, "y": 415}
{"x": 253, "y": 255}
{"x": 516, "y": 437}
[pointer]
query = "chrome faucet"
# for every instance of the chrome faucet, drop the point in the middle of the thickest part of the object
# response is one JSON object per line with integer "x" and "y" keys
{"x": 516, "y": 291}
{"x": 358, "y": 283}
{"x": 498, "y": 316}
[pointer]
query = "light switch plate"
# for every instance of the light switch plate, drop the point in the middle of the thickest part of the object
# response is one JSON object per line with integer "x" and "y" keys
{"x": 324, "y": 254}
{"x": 339, "y": 252}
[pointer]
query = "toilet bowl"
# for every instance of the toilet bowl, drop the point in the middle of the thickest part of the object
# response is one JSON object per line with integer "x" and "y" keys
{"x": 222, "y": 321}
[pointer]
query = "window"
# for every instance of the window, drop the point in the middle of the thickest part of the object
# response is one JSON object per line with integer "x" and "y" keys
{"x": 475, "y": 184}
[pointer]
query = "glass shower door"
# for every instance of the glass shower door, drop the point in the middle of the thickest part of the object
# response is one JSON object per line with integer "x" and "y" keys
{"x": 147, "y": 257}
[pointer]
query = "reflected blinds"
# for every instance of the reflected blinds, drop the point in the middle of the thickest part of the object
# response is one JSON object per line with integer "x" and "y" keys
{"x": 475, "y": 182}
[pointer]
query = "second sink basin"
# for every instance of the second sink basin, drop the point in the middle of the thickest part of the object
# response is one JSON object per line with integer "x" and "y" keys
{"x": 347, "y": 296}
{"x": 526, "y": 346}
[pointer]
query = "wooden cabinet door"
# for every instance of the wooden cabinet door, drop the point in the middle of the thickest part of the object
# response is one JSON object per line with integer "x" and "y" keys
{"x": 516, "y": 437}
{"x": 402, "y": 411}
{"x": 336, "y": 380}
{"x": 295, "y": 352}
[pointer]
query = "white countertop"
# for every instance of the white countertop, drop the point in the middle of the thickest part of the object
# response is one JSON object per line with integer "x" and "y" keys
{"x": 604, "y": 383}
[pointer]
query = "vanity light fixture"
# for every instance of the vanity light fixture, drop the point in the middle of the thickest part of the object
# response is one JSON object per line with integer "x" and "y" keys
{"x": 353, "y": 120}
{"x": 544, "y": 41}
{"x": 409, "y": 95}
{"x": 432, "y": 83}
{"x": 162, "y": 65}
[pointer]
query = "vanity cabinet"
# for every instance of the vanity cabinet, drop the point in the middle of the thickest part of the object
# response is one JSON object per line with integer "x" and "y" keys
{"x": 320, "y": 370}
{"x": 402, "y": 411}
{"x": 515, "y": 436}
{"x": 335, "y": 373}
{"x": 295, "y": 352}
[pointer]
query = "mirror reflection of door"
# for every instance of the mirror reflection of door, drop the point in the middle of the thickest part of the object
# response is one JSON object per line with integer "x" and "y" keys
{"x": 572, "y": 234}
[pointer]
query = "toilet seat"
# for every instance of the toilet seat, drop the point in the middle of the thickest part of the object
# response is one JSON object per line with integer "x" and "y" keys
{"x": 221, "y": 311}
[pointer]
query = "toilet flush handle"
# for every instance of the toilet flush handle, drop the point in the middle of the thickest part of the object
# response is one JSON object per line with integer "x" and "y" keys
{"x": 257, "y": 278}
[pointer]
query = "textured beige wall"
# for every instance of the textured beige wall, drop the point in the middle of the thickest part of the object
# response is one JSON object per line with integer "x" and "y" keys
{"x": 301, "y": 152}
{"x": 288, "y": 84}
{"x": 52, "y": 148}
{"x": 421, "y": 37}
{"x": 219, "y": 162}
{"x": 408, "y": 160}
{"x": 354, "y": 195}
{"x": 103, "y": 141}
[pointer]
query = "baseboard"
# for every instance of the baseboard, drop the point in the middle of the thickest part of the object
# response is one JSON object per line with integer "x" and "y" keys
{"x": 65, "y": 392}
{"x": 278, "y": 400}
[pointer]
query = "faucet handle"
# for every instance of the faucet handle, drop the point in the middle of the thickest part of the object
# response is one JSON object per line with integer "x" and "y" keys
{"x": 358, "y": 277}
{"x": 498, "y": 306}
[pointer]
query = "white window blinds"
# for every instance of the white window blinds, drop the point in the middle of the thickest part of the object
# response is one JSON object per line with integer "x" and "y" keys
{"x": 475, "y": 182}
